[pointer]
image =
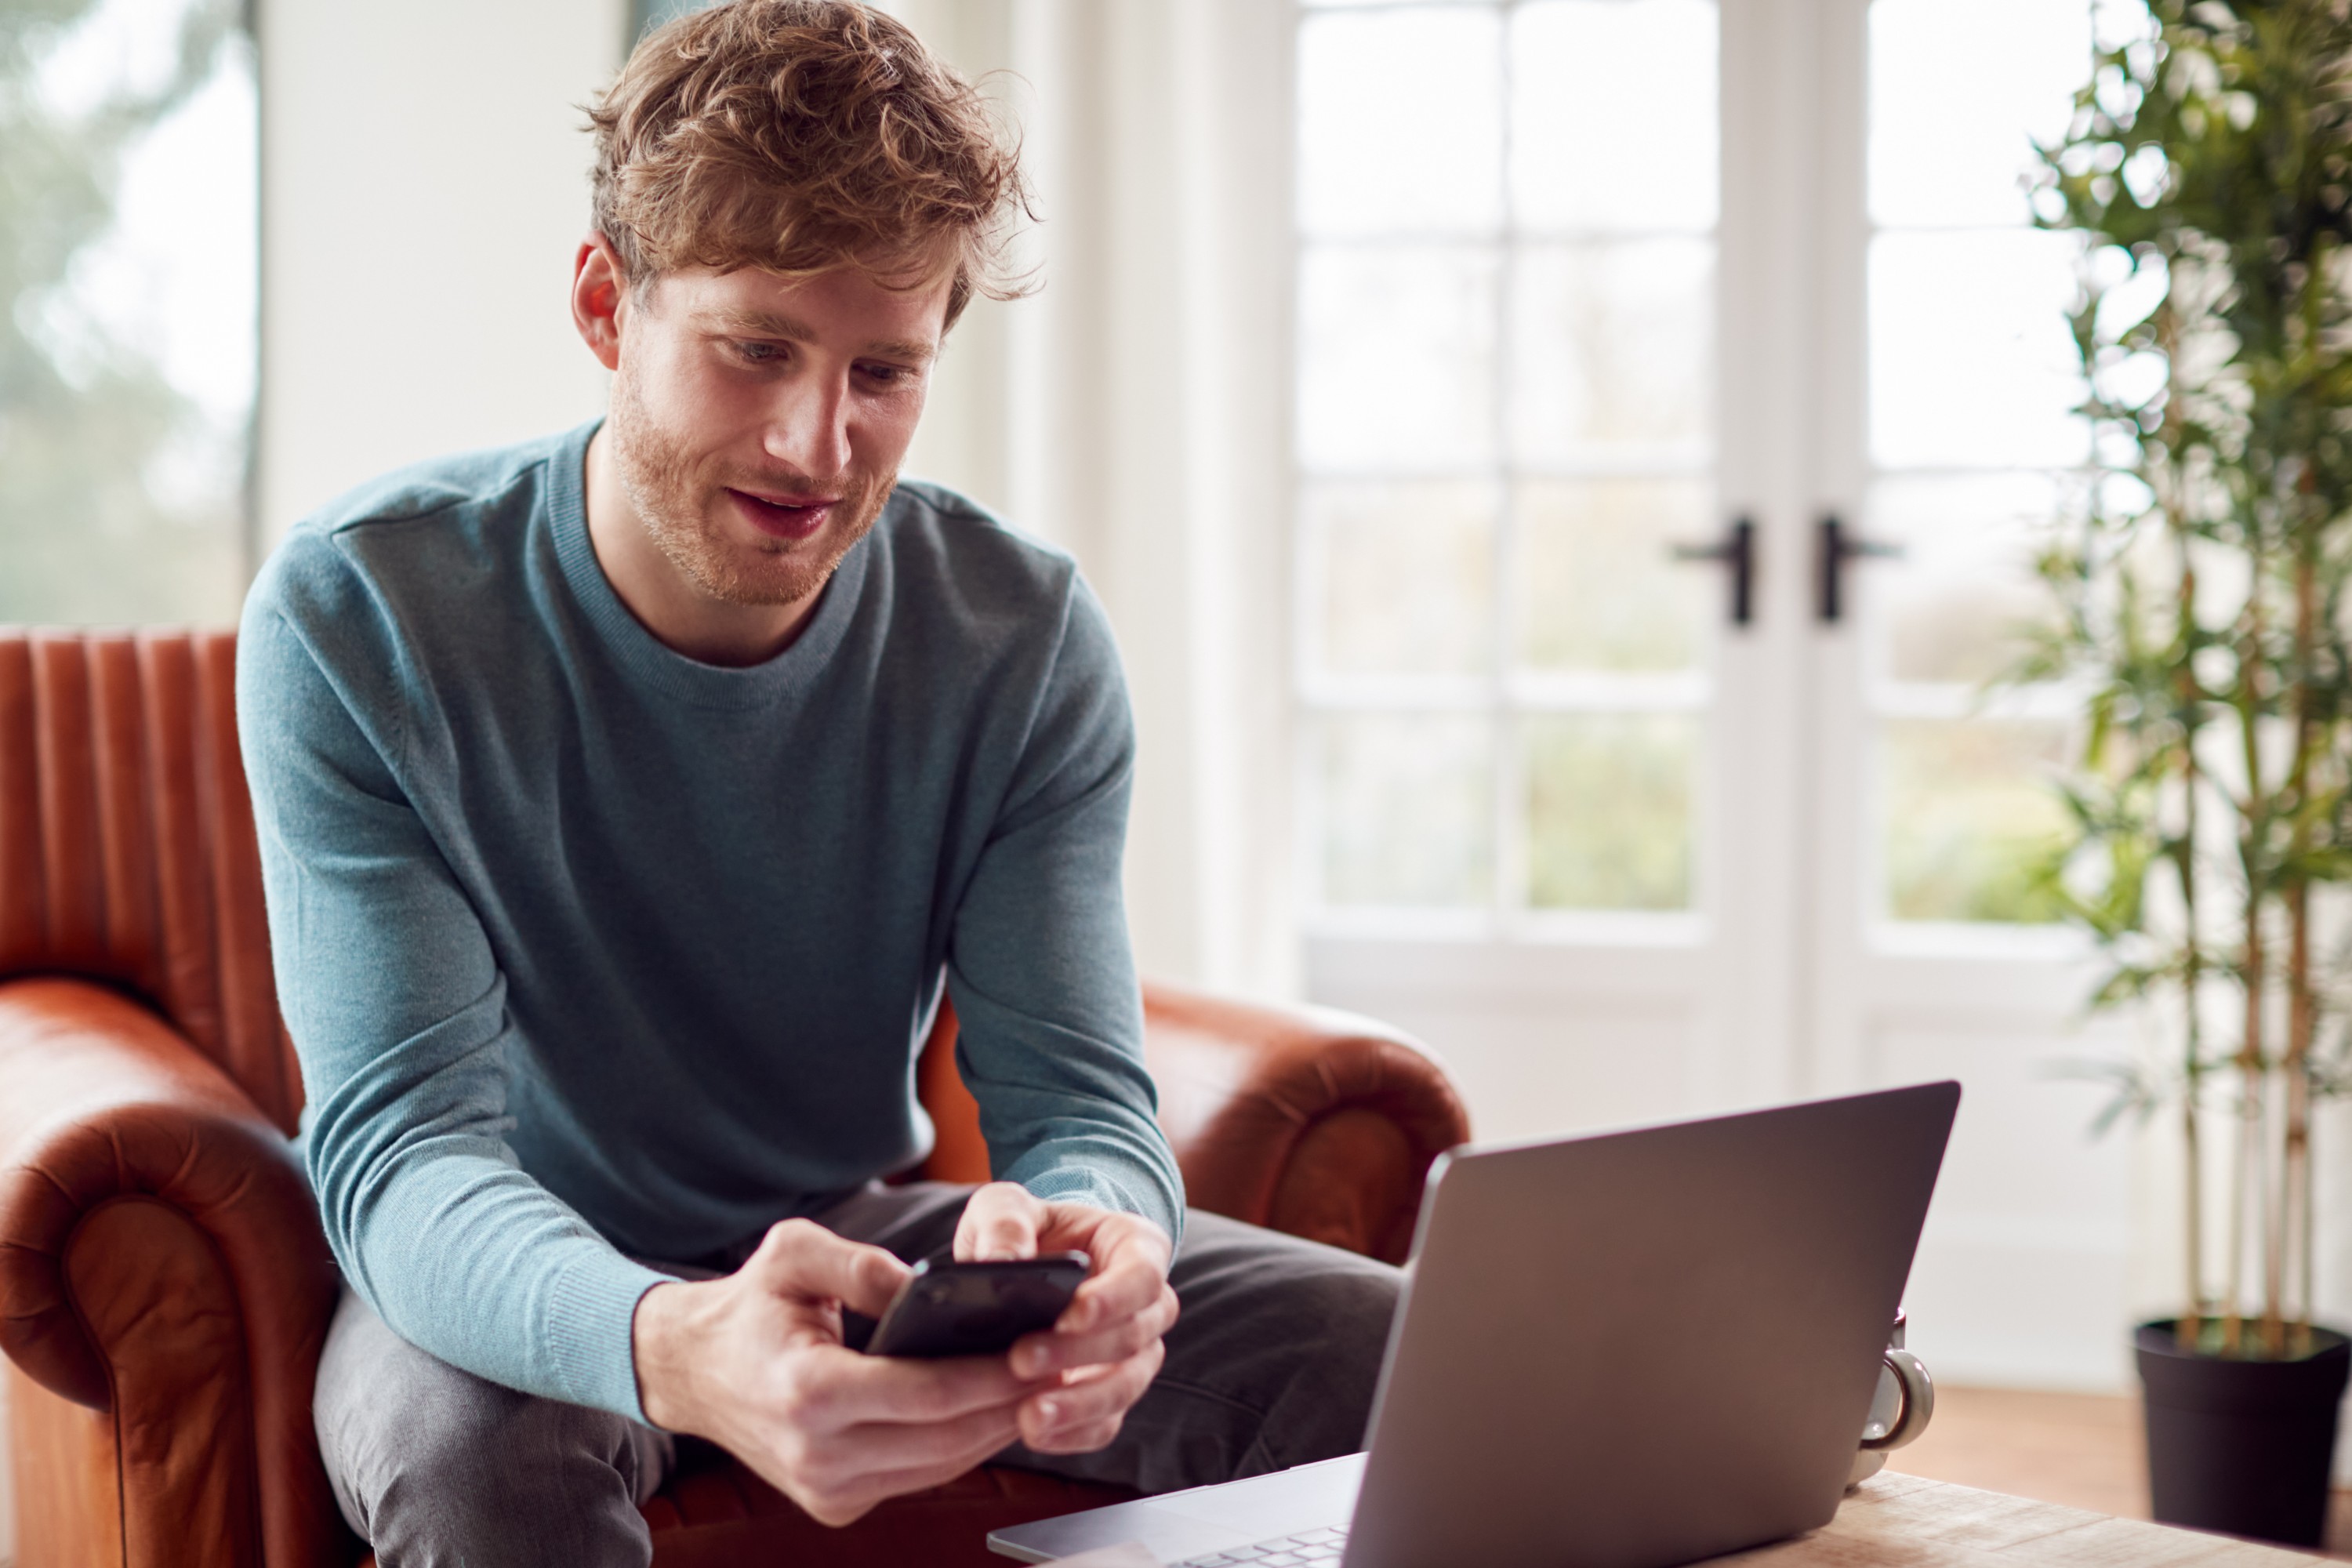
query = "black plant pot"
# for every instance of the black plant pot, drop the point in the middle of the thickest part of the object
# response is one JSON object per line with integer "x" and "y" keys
{"x": 2242, "y": 1447}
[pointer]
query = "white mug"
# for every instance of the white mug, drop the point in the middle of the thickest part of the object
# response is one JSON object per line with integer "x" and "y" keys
{"x": 1899, "y": 1412}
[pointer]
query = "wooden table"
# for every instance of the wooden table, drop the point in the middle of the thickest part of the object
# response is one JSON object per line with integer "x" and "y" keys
{"x": 1902, "y": 1521}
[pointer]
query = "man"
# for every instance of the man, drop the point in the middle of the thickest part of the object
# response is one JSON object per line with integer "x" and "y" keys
{"x": 627, "y": 798}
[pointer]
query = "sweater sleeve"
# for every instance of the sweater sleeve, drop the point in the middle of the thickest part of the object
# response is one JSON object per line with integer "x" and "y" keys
{"x": 397, "y": 1009}
{"x": 1050, "y": 1017}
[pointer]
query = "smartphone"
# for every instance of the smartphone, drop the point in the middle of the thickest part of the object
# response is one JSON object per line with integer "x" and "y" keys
{"x": 977, "y": 1308}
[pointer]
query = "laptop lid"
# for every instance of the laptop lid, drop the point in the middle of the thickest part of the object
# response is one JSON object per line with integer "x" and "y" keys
{"x": 1645, "y": 1347}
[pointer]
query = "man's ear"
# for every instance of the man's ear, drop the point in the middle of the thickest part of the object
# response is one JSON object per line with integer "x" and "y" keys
{"x": 599, "y": 296}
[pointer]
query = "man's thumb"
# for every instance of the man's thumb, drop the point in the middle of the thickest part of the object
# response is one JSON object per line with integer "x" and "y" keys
{"x": 800, "y": 1257}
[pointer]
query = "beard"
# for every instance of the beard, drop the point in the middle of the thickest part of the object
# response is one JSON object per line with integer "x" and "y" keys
{"x": 680, "y": 497}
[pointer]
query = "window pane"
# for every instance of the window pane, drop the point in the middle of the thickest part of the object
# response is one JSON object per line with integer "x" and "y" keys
{"x": 1407, "y": 809}
{"x": 1404, "y": 576}
{"x": 1958, "y": 604}
{"x": 1598, "y": 589}
{"x": 644, "y": 15}
{"x": 1958, "y": 94}
{"x": 1613, "y": 114}
{"x": 127, "y": 269}
{"x": 1611, "y": 352}
{"x": 1969, "y": 817}
{"x": 1400, "y": 122}
{"x": 1396, "y": 358}
{"x": 1971, "y": 364}
{"x": 1609, "y": 811}
{"x": 1444, "y": 531}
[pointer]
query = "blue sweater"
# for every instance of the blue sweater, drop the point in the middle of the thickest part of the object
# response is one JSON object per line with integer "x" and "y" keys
{"x": 590, "y": 949}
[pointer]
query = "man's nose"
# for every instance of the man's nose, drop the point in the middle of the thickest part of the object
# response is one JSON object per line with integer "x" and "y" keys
{"x": 808, "y": 429}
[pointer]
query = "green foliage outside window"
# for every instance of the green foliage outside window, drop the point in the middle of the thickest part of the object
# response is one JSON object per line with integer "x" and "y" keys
{"x": 102, "y": 518}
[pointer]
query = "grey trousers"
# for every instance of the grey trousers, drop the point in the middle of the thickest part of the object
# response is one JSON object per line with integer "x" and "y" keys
{"x": 1271, "y": 1363}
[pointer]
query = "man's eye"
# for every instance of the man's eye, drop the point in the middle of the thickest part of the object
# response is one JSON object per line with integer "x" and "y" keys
{"x": 886, "y": 375}
{"x": 760, "y": 353}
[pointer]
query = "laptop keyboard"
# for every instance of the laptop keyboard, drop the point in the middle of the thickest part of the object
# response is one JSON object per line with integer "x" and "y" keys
{"x": 1282, "y": 1552}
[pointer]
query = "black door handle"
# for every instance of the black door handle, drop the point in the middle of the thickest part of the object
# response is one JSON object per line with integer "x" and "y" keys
{"x": 1837, "y": 548}
{"x": 1736, "y": 550}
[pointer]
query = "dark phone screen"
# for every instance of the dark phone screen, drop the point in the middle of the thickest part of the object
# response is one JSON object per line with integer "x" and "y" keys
{"x": 977, "y": 1308}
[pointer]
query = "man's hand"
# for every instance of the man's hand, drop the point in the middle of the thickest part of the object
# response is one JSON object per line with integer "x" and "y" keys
{"x": 1105, "y": 1349}
{"x": 754, "y": 1362}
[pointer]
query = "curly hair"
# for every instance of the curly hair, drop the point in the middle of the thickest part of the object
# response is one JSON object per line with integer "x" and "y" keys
{"x": 799, "y": 136}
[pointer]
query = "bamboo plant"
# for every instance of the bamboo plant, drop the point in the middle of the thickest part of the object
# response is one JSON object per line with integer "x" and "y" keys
{"x": 2201, "y": 578}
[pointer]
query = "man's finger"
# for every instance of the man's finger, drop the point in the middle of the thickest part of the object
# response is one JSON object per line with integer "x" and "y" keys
{"x": 800, "y": 1257}
{"x": 1051, "y": 1350}
{"x": 1079, "y": 1439}
{"x": 884, "y": 1445}
{"x": 1000, "y": 1223}
{"x": 839, "y": 1476}
{"x": 885, "y": 1388}
{"x": 881, "y": 1485}
{"x": 1122, "y": 1289}
{"x": 1104, "y": 1236}
{"x": 1103, "y": 1395}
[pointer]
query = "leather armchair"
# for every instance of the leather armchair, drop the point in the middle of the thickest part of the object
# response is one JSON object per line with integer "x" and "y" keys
{"x": 164, "y": 1287}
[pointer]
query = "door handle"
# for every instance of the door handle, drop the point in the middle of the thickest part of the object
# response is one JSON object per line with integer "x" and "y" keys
{"x": 1736, "y": 550}
{"x": 1838, "y": 547}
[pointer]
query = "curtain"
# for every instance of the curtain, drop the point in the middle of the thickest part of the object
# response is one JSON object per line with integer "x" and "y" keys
{"x": 1134, "y": 410}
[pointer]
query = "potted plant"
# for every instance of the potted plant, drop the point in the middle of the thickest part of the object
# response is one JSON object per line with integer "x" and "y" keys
{"x": 2201, "y": 579}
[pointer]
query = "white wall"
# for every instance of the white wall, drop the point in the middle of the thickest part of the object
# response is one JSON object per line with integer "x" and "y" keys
{"x": 424, "y": 186}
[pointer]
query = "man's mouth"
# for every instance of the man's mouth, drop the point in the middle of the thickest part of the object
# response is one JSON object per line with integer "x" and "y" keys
{"x": 784, "y": 515}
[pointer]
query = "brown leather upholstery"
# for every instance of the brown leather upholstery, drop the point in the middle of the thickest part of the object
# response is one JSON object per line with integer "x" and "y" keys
{"x": 127, "y": 851}
{"x": 160, "y": 1260}
{"x": 163, "y": 1285}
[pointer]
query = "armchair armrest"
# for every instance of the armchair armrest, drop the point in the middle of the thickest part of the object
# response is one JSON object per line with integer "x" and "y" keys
{"x": 1305, "y": 1120}
{"x": 161, "y": 1259}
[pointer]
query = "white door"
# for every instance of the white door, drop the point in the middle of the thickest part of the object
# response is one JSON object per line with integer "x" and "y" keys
{"x": 1515, "y": 705}
{"x": 1583, "y": 279}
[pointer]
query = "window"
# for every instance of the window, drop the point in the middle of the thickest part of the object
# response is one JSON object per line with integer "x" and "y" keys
{"x": 1504, "y": 417}
{"x": 644, "y": 15}
{"x": 129, "y": 181}
{"x": 1511, "y": 396}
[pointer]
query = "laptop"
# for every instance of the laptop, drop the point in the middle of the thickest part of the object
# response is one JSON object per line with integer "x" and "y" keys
{"x": 1620, "y": 1351}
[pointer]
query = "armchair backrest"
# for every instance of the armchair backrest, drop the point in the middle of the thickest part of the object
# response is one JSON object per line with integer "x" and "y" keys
{"x": 127, "y": 849}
